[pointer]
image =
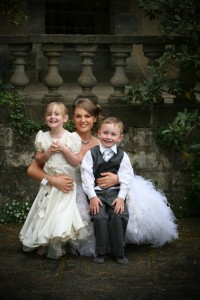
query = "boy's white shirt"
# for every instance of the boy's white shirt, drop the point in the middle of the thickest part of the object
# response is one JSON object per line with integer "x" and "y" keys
{"x": 125, "y": 174}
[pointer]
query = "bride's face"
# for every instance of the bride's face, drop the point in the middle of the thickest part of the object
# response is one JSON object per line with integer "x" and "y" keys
{"x": 83, "y": 120}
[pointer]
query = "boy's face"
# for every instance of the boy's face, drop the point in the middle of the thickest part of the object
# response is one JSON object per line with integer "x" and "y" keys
{"x": 109, "y": 135}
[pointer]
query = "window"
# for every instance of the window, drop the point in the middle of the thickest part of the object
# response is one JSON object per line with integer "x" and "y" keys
{"x": 77, "y": 17}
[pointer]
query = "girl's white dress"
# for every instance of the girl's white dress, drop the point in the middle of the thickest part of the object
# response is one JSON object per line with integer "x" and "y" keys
{"x": 54, "y": 217}
{"x": 151, "y": 220}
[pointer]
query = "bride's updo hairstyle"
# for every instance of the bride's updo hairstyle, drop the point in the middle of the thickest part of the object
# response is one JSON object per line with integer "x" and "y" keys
{"x": 93, "y": 109}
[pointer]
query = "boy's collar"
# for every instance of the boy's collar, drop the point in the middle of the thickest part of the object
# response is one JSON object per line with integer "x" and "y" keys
{"x": 103, "y": 148}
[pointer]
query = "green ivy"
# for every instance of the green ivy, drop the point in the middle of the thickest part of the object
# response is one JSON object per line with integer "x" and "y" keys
{"x": 179, "y": 133}
{"x": 157, "y": 86}
{"x": 194, "y": 191}
{"x": 18, "y": 113}
{"x": 14, "y": 212}
{"x": 182, "y": 135}
{"x": 181, "y": 18}
{"x": 13, "y": 11}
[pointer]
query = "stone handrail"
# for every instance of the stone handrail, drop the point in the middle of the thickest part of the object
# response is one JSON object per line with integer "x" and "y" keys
{"x": 86, "y": 46}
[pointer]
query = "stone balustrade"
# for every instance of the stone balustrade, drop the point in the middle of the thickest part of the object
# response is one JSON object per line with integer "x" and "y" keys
{"x": 86, "y": 47}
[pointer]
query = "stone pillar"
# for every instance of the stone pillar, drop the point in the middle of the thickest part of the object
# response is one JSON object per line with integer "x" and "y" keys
{"x": 119, "y": 80}
{"x": 19, "y": 79}
{"x": 87, "y": 79}
{"x": 53, "y": 80}
{"x": 153, "y": 52}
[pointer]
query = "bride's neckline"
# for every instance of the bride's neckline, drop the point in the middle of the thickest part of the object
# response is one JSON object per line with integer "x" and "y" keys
{"x": 85, "y": 143}
{"x": 86, "y": 140}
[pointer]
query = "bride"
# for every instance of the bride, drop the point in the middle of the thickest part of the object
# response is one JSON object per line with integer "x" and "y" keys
{"x": 151, "y": 220}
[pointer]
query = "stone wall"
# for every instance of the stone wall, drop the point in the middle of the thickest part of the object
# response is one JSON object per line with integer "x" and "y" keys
{"x": 166, "y": 169}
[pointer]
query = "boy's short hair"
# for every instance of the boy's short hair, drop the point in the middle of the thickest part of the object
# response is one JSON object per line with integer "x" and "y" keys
{"x": 115, "y": 121}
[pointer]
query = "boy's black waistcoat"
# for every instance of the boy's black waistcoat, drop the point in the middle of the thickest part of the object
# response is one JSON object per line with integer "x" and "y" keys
{"x": 101, "y": 166}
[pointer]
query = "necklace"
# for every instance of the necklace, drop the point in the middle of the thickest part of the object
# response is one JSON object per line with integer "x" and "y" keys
{"x": 85, "y": 143}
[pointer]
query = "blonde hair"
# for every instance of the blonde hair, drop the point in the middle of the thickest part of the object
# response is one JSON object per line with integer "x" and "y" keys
{"x": 63, "y": 108}
{"x": 115, "y": 121}
{"x": 94, "y": 109}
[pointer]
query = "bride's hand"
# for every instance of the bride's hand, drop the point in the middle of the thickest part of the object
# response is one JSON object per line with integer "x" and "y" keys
{"x": 62, "y": 182}
{"x": 107, "y": 180}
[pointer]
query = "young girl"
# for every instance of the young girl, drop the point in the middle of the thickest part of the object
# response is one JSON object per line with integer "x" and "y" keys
{"x": 54, "y": 218}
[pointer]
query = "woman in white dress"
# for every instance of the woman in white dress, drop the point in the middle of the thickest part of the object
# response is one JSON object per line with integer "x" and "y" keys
{"x": 54, "y": 217}
{"x": 151, "y": 220}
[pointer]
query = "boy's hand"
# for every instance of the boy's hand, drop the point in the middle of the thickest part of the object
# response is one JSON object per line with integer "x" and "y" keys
{"x": 119, "y": 205}
{"x": 94, "y": 205}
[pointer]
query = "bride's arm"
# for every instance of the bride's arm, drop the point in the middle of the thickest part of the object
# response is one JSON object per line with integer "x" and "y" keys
{"x": 63, "y": 183}
{"x": 108, "y": 180}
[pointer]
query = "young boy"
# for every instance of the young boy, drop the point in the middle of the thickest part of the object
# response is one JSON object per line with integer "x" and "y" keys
{"x": 109, "y": 213}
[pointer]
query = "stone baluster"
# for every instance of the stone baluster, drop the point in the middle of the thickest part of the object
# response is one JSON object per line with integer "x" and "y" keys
{"x": 19, "y": 79}
{"x": 153, "y": 52}
{"x": 87, "y": 79}
{"x": 53, "y": 80}
{"x": 119, "y": 80}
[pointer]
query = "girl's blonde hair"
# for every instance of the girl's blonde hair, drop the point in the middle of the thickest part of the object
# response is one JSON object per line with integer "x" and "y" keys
{"x": 63, "y": 108}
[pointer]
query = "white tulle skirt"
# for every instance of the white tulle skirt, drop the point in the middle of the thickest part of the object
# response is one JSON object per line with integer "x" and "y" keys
{"x": 151, "y": 220}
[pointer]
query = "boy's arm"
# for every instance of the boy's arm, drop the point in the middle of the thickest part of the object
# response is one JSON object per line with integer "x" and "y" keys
{"x": 87, "y": 175}
{"x": 125, "y": 174}
{"x": 88, "y": 183}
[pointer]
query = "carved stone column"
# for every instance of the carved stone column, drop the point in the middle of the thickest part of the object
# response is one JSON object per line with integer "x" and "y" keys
{"x": 119, "y": 80}
{"x": 87, "y": 79}
{"x": 19, "y": 79}
{"x": 153, "y": 52}
{"x": 53, "y": 80}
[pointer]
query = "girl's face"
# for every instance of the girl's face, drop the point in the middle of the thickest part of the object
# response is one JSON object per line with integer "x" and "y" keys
{"x": 110, "y": 134}
{"x": 55, "y": 117}
{"x": 83, "y": 120}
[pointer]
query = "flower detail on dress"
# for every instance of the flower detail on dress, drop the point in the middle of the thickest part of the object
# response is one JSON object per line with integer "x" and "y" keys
{"x": 52, "y": 168}
{"x": 42, "y": 205}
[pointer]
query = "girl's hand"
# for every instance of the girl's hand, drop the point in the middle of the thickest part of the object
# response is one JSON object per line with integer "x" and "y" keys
{"x": 107, "y": 180}
{"x": 57, "y": 147}
{"x": 119, "y": 205}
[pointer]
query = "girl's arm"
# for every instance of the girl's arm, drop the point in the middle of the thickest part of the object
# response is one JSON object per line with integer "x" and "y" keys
{"x": 63, "y": 183}
{"x": 73, "y": 159}
{"x": 42, "y": 156}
